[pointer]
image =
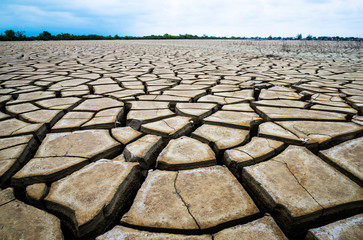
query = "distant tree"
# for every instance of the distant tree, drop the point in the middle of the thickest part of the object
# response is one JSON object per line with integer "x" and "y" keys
{"x": 269, "y": 37}
{"x": 20, "y": 35}
{"x": 45, "y": 35}
{"x": 309, "y": 37}
{"x": 10, "y": 34}
{"x": 299, "y": 36}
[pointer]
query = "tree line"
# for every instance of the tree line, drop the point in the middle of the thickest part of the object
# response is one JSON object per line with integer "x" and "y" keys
{"x": 11, "y": 35}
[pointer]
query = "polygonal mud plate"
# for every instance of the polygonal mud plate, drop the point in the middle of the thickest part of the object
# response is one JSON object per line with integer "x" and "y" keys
{"x": 190, "y": 200}
{"x": 90, "y": 198}
{"x": 306, "y": 188}
{"x": 185, "y": 153}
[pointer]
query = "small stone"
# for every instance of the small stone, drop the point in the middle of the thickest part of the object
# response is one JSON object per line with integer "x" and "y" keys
{"x": 185, "y": 153}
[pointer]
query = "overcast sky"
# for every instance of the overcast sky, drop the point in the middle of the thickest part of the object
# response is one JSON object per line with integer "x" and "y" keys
{"x": 211, "y": 17}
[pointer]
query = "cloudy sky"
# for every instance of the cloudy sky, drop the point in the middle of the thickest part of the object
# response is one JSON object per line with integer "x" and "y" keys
{"x": 212, "y": 17}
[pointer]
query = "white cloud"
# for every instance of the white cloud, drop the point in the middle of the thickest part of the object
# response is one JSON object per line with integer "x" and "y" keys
{"x": 211, "y": 17}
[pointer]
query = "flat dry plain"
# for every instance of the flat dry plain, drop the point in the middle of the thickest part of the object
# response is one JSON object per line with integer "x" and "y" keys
{"x": 181, "y": 140}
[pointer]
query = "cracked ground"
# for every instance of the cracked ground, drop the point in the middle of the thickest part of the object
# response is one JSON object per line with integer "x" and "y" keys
{"x": 180, "y": 140}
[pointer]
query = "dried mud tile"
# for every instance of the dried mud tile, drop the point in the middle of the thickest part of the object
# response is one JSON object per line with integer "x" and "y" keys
{"x": 347, "y": 157}
{"x": 22, "y": 221}
{"x": 280, "y": 103}
{"x": 72, "y": 121}
{"x": 185, "y": 153}
{"x": 91, "y": 197}
{"x": 125, "y": 135}
{"x": 349, "y": 228}
{"x": 124, "y": 233}
{"x": 158, "y": 205}
{"x": 14, "y": 127}
{"x": 242, "y": 120}
{"x": 220, "y": 137}
{"x": 171, "y": 200}
{"x": 144, "y": 150}
{"x": 293, "y": 184}
{"x": 98, "y": 104}
{"x": 257, "y": 150}
{"x": 169, "y": 128}
{"x": 13, "y": 153}
{"x": 263, "y": 228}
{"x": 135, "y": 118}
{"x": 224, "y": 198}
{"x": 322, "y": 133}
{"x": 239, "y": 107}
{"x": 63, "y": 153}
{"x": 105, "y": 119}
{"x": 290, "y": 114}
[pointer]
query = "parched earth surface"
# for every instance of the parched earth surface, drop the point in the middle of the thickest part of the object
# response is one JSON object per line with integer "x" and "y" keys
{"x": 179, "y": 140}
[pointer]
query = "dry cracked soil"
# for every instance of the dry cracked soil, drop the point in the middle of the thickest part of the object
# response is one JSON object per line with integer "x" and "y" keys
{"x": 179, "y": 140}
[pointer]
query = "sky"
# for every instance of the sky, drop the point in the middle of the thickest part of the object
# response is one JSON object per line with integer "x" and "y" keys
{"x": 244, "y": 18}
